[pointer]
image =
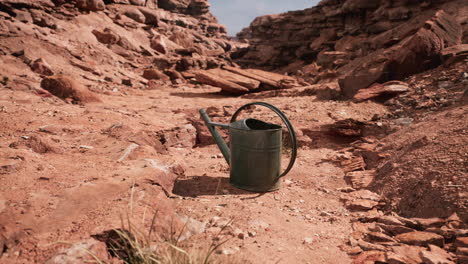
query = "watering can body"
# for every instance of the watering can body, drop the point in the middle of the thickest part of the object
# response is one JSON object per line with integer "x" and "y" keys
{"x": 255, "y": 158}
{"x": 255, "y": 151}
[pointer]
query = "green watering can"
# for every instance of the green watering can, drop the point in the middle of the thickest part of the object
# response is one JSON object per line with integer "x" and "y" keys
{"x": 255, "y": 153}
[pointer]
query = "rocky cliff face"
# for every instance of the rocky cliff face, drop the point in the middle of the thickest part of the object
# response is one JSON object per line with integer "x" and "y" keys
{"x": 115, "y": 40}
{"x": 360, "y": 42}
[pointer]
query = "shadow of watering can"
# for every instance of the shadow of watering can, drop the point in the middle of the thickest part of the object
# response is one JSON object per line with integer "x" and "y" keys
{"x": 255, "y": 150}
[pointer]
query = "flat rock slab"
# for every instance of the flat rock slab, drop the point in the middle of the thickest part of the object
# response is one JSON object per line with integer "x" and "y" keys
{"x": 418, "y": 238}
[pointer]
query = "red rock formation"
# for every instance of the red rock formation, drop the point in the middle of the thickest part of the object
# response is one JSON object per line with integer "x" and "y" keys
{"x": 363, "y": 41}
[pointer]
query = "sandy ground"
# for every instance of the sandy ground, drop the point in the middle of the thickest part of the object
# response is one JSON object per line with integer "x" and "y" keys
{"x": 80, "y": 188}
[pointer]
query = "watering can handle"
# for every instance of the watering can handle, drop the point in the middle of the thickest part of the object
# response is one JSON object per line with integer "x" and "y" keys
{"x": 286, "y": 122}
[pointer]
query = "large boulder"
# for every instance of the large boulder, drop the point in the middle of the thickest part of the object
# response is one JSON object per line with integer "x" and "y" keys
{"x": 217, "y": 81}
{"x": 415, "y": 53}
{"x": 107, "y": 36}
{"x": 68, "y": 89}
{"x": 163, "y": 45}
{"x": 91, "y": 5}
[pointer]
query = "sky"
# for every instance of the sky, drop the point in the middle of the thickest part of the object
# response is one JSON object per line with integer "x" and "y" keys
{"x": 237, "y": 14}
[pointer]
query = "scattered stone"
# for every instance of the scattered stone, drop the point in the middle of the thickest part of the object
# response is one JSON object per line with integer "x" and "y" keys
{"x": 252, "y": 233}
{"x": 258, "y": 224}
{"x": 229, "y": 251}
{"x": 81, "y": 252}
{"x": 8, "y": 166}
{"x": 37, "y": 144}
{"x": 128, "y": 151}
{"x": 85, "y": 147}
{"x": 127, "y": 82}
{"x": 419, "y": 238}
{"x": 191, "y": 227}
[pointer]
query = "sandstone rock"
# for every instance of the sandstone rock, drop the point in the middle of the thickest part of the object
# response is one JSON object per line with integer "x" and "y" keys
{"x": 37, "y": 144}
{"x": 152, "y": 17}
{"x": 183, "y": 39}
{"x": 328, "y": 91}
{"x": 174, "y": 75}
{"x": 211, "y": 79}
{"x": 456, "y": 50}
{"x": 360, "y": 204}
{"x": 415, "y": 53}
{"x": 23, "y": 16}
{"x": 347, "y": 127}
{"x": 405, "y": 254}
{"x": 283, "y": 81}
{"x": 408, "y": 222}
{"x": 462, "y": 251}
{"x": 246, "y": 82}
{"x": 422, "y": 50}
{"x": 360, "y": 179}
{"x": 436, "y": 255}
{"x": 43, "y": 19}
{"x": 462, "y": 259}
{"x": 364, "y": 194}
{"x": 107, "y": 36}
{"x": 387, "y": 89}
{"x": 368, "y": 257}
{"x": 68, "y": 89}
{"x": 154, "y": 74}
{"x": 138, "y": 2}
{"x": 395, "y": 229}
{"x": 418, "y": 238}
{"x": 389, "y": 220}
{"x": 81, "y": 252}
{"x": 165, "y": 180}
{"x": 192, "y": 227}
{"x": 163, "y": 45}
{"x": 254, "y": 76}
{"x": 461, "y": 242}
{"x": 181, "y": 137}
{"x": 163, "y": 63}
{"x": 135, "y": 14}
{"x": 42, "y": 67}
{"x": 327, "y": 58}
{"x": 90, "y": 5}
{"x": 379, "y": 237}
{"x": 429, "y": 222}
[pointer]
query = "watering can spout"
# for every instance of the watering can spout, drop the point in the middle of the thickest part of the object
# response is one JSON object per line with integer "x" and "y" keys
{"x": 216, "y": 136}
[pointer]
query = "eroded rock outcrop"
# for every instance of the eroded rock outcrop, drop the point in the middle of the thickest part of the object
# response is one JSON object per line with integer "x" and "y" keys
{"x": 359, "y": 42}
